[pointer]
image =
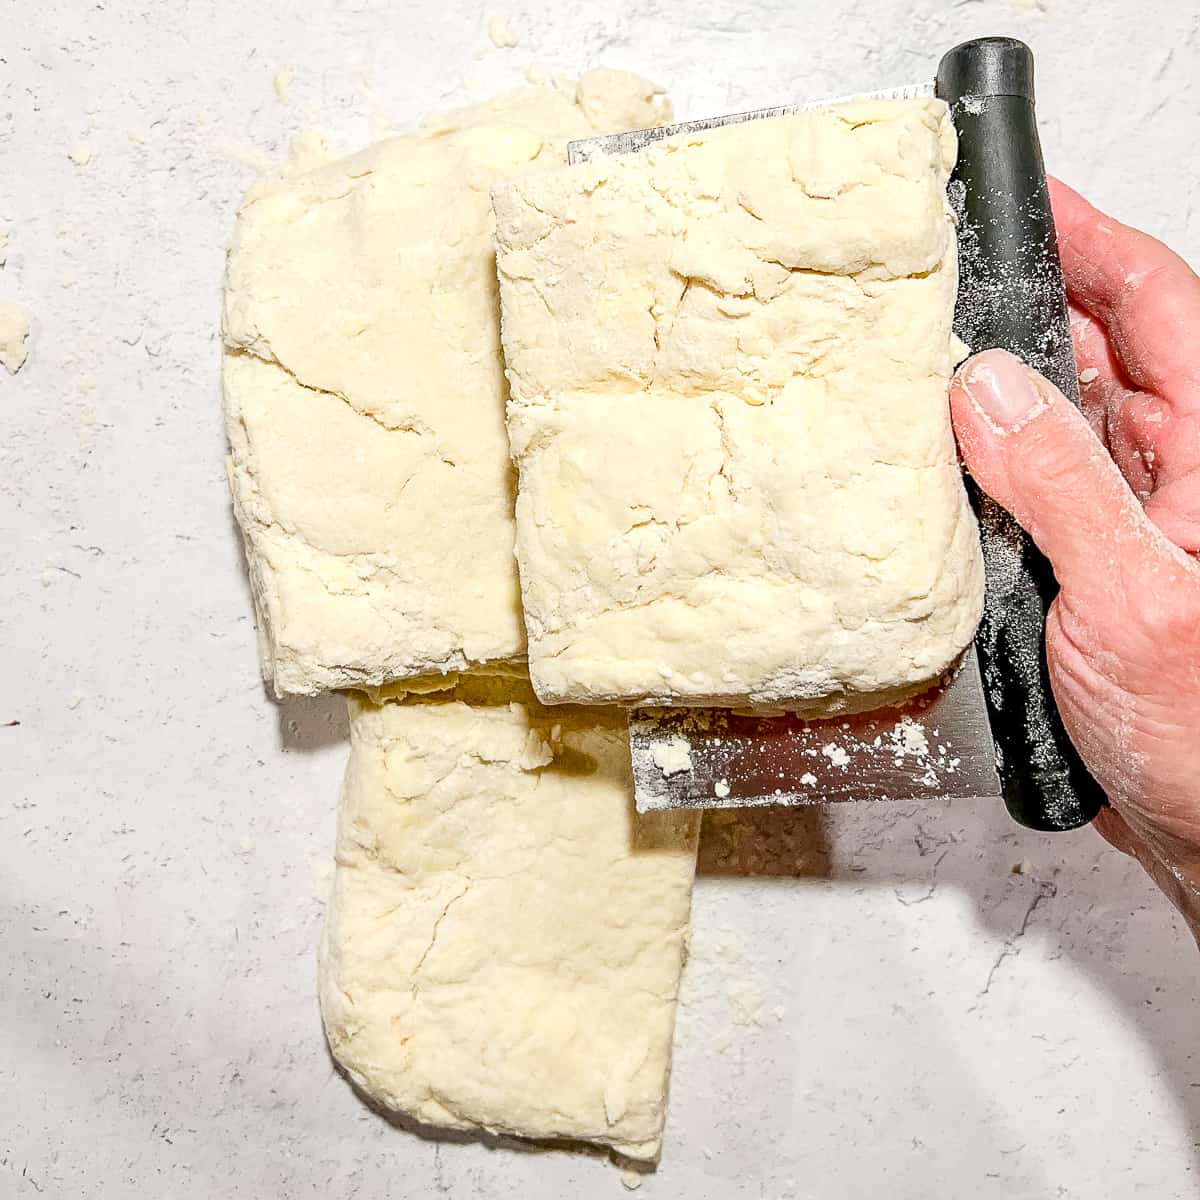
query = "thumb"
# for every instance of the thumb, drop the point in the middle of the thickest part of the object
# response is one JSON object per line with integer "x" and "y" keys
{"x": 1034, "y": 453}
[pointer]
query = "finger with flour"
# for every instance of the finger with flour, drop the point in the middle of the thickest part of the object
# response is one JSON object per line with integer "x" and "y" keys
{"x": 1145, "y": 295}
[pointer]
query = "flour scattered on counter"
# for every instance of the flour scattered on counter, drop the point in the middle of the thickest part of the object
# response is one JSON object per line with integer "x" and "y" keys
{"x": 246, "y": 155}
{"x": 281, "y": 81}
{"x": 87, "y": 425}
{"x": 14, "y": 333}
{"x": 721, "y": 788}
{"x": 672, "y": 755}
{"x": 81, "y": 155}
{"x": 808, "y": 779}
{"x": 501, "y": 33}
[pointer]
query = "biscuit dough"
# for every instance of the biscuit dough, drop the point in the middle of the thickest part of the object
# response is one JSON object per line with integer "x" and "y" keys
{"x": 728, "y": 359}
{"x": 364, "y": 393}
{"x": 504, "y": 940}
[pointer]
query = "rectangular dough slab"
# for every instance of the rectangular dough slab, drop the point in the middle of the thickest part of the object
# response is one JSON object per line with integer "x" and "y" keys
{"x": 505, "y": 936}
{"x": 364, "y": 394}
{"x": 728, "y": 360}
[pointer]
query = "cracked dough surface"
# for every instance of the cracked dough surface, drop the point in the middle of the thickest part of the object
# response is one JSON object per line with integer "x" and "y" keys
{"x": 505, "y": 936}
{"x": 728, "y": 359}
{"x": 364, "y": 393}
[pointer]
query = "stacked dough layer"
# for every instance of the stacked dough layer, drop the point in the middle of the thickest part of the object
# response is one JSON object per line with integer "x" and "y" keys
{"x": 504, "y": 940}
{"x": 364, "y": 394}
{"x": 728, "y": 358}
{"x": 506, "y": 934}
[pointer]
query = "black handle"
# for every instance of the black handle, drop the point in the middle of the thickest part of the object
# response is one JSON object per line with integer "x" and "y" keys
{"x": 1011, "y": 295}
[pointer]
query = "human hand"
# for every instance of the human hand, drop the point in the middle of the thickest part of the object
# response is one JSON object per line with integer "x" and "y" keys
{"x": 1115, "y": 507}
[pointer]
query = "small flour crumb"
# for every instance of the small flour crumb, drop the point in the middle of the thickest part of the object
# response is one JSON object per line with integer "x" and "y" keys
{"x": 81, "y": 154}
{"x": 503, "y": 38}
{"x": 535, "y": 73}
{"x": 721, "y": 788}
{"x": 908, "y": 738}
{"x": 74, "y": 700}
{"x": 246, "y": 845}
{"x": 1089, "y": 376}
{"x": 808, "y": 779}
{"x": 836, "y": 755}
{"x": 631, "y": 1180}
{"x": 281, "y": 81}
{"x": 672, "y": 755}
{"x": 14, "y": 331}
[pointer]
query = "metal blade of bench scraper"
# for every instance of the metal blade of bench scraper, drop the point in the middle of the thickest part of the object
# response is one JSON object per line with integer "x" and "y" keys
{"x": 587, "y": 149}
{"x": 937, "y": 746}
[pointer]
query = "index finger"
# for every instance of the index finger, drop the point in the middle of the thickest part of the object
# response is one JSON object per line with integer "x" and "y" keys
{"x": 1147, "y": 297}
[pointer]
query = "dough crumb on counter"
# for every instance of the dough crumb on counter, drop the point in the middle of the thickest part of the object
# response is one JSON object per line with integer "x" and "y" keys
{"x": 281, "y": 83}
{"x": 501, "y": 33}
{"x": 14, "y": 336}
{"x": 81, "y": 154}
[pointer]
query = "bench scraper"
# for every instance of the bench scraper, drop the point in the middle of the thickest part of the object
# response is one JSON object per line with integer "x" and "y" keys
{"x": 991, "y": 726}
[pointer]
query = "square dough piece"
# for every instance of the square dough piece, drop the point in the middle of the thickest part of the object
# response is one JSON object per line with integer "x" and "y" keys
{"x": 728, "y": 358}
{"x": 364, "y": 394}
{"x": 505, "y": 937}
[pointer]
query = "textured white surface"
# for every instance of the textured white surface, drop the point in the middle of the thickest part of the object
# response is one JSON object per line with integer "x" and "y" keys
{"x": 880, "y": 1026}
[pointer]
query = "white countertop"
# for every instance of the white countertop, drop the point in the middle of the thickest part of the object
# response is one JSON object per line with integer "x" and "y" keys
{"x": 876, "y": 1005}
